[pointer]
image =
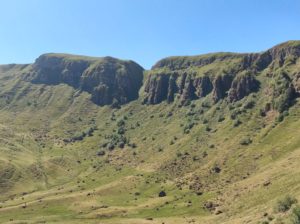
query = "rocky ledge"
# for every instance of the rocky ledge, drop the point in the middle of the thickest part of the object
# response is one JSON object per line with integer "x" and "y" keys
{"x": 220, "y": 75}
{"x": 108, "y": 80}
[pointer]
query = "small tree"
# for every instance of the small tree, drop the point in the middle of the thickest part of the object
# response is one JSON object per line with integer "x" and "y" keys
{"x": 285, "y": 204}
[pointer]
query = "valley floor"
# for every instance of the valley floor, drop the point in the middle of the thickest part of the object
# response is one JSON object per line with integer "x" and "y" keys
{"x": 208, "y": 176}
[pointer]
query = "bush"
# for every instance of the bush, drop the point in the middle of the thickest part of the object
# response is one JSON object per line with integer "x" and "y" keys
{"x": 296, "y": 215}
{"x": 221, "y": 118}
{"x": 90, "y": 131}
{"x": 285, "y": 204}
{"x": 79, "y": 136}
{"x": 205, "y": 121}
{"x": 169, "y": 114}
{"x": 190, "y": 113}
{"x": 121, "y": 130}
{"x": 207, "y": 128}
{"x": 121, "y": 123}
{"x": 249, "y": 104}
{"x": 205, "y": 104}
{"x": 237, "y": 123}
{"x": 262, "y": 113}
{"x": 188, "y": 127}
{"x": 246, "y": 141}
{"x": 110, "y": 146}
{"x": 121, "y": 145}
{"x": 280, "y": 118}
{"x": 178, "y": 154}
{"x": 101, "y": 153}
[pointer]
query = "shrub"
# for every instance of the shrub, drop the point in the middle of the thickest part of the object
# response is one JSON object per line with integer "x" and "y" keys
{"x": 196, "y": 158}
{"x": 246, "y": 141}
{"x": 90, "y": 131}
{"x": 178, "y": 154}
{"x": 221, "y": 118}
{"x": 284, "y": 94}
{"x": 190, "y": 113}
{"x": 280, "y": 118}
{"x": 162, "y": 194}
{"x": 207, "y": 128}
{"x": 101, "y": 153}
{"x": 121, "y": 123}
{"x": 249, "y": 104}
{"x": 262, "y": 113}
{"x": 79, "y": 136}
{"x": 169, "y": 114}
{"x": 188, "y": 127}
{"x": 231, "y": 107}
{"x": 205, "y": 104}
{"x": 110, "y": 146}
{"x": 237, "y": 123}
{"x": 103, "y": 145}
{"x": 205, "y": 121}
{"x": 296, "y": 215}
{"x": 121, "y": 130}
{"x": 285, "y": 204}
{"x": 121, "y": 145}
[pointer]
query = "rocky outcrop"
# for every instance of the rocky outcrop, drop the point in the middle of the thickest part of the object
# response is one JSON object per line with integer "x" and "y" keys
{"x": 108, "y": 80}
{"x": 54, "y": 69}
{"x": 188, "y": 90}
{"x": 296, "y": 82}
{"x": 278, "y": 55}
{"x": 159, "y": 88}
{"x": 186, "y": 87}
{"x": 203, "y": 86}
{"x": 221, "y": 75}
{"x": 242, "y": 85}
{"x": 221, "y": 86}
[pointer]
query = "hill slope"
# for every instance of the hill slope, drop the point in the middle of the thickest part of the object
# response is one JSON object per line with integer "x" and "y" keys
{"x": 209, "y": 139}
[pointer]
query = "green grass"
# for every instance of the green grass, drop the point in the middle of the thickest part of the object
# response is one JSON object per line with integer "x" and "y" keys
{"x": 66, "y": 182}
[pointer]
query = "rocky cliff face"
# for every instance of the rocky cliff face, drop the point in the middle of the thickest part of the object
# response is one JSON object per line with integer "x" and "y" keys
{"x": 241, "y": 86}
{"x": 221, "y": 75}
{"x": 108, "y": 80}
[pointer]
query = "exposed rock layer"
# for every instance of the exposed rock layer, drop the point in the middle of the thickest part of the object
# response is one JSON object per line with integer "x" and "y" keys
{"x": 223, "y": 75}
{"x": 109, "y": 80}
{"x": 228, "y": 76}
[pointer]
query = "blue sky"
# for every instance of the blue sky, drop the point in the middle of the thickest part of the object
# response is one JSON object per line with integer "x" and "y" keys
{"x": 143, "y": 30}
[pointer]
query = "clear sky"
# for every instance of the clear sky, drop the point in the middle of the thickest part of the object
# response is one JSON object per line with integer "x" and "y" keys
{"x": 143, "y": 30}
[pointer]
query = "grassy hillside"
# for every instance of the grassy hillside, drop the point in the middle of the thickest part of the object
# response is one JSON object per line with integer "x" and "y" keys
{"x": 66, "y": 160}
